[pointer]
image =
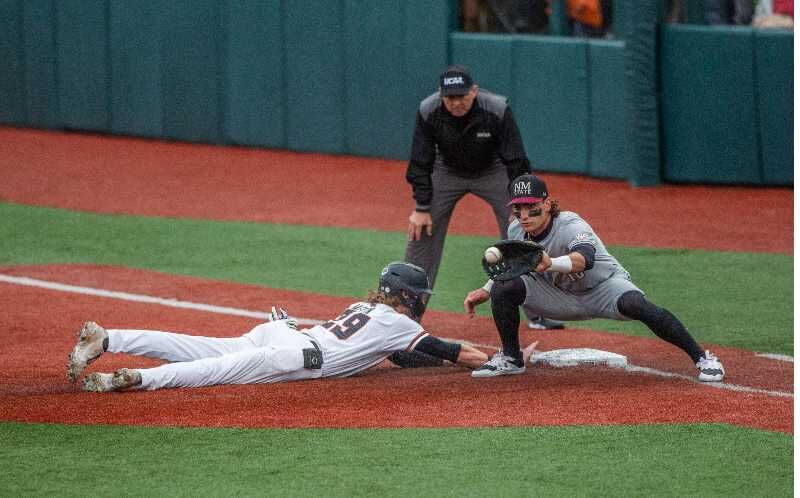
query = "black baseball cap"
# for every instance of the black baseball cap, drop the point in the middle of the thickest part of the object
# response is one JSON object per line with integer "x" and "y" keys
{"x": 527, "y": 189}
{"x": 455, "y": 80}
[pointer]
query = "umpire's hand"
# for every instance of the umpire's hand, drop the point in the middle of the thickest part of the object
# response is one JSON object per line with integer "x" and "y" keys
{"x": 416, "y": 222}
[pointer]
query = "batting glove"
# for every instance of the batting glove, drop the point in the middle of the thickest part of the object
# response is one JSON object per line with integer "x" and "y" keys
{"x": 281, "y": 314}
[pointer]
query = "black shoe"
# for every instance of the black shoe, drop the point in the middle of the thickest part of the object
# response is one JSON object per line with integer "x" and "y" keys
{"x": 542, "y": 323}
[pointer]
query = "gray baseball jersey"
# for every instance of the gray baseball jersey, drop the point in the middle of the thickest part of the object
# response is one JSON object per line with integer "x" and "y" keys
{"x": 581, "y": 295}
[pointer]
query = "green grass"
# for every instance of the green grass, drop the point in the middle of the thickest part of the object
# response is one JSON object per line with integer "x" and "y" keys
{"x": 736, "y": 299}
{"x": 652, "y": 460}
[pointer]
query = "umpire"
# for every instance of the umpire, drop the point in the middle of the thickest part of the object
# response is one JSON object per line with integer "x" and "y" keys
{"x": 465, "y": 140}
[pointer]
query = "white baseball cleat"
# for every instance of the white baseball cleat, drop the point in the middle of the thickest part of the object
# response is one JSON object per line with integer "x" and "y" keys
{"x": 499, "y": 364}
{"x": 125, "y": 378}
{"x": 710, "y": 367}
{"x": 92, "y": 342}
{"x": 98, "y": 383}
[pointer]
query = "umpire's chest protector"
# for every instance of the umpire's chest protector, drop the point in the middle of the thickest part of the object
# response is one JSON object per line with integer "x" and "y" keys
{"x": 469, "y": 144}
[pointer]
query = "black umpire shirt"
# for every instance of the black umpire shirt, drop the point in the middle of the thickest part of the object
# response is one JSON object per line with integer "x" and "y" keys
{"x": 467, "y": 146}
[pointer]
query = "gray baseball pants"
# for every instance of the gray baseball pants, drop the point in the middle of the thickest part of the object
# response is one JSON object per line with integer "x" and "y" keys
{"x": 545, "y": 299}
{"x": 448, "y": 189}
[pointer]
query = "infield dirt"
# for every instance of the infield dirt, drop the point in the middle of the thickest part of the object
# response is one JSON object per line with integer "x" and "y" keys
{"x": 119, "y": 175}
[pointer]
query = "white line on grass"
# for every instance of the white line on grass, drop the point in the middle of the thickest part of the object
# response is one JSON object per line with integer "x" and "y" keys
{"x": 140, "y": 298}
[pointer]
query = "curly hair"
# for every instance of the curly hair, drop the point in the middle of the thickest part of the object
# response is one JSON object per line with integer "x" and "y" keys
{"x": 554, "y": 209}
{"x": 378, "y": 297}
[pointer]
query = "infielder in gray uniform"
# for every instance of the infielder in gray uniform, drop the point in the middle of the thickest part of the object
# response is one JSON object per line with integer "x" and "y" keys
{"x": 362, "y": 336}
{"x": 577, "y": 279}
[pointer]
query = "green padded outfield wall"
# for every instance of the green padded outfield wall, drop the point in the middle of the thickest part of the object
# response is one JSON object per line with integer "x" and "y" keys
{"x": 491, "y": 59}
{"x": 586, "y": 121}
{"x": 709, "y": 114}
{"x": 346, "y": 76}
{"x": 315, "y": 75}
{"x": 392, "y": 62}
{"x": 425, "y": 55}
{"x": 638, "y": 24}
{"x": 255, "y": 83}
{"x": 83, "y": 69}
{"x": 609, "y": 136}
{"x": 191, "y": 70}
{"x": 340, "y": 76}
{"x": 551, "y": 98}
{"x": 775, "y": 104}
{"x": 41, "y": 83}
{"x": 374, "y": 85}
{"x": 12, "y": 84}
{"x": 136, "y": 78}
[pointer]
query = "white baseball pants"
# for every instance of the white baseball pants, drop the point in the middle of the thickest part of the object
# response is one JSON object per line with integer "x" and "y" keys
{"x": 270, "y": 352}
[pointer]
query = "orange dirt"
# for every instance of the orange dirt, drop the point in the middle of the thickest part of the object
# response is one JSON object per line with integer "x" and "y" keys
{"x": 122, "y": 175}
{"x": 42, "y": 324}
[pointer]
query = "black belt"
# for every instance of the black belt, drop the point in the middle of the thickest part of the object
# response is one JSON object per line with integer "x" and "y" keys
{"x": 312, "y": 357}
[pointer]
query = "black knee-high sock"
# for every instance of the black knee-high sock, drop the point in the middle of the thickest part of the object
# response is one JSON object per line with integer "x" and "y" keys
{"x": 507, "y": 297}
{"x": 663, "y": 323}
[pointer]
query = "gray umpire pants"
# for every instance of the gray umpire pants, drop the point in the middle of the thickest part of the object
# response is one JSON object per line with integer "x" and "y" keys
{"x": 448, "y": 189}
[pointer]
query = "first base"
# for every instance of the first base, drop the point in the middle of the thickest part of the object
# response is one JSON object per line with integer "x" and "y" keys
{"x": 580, "y": 356}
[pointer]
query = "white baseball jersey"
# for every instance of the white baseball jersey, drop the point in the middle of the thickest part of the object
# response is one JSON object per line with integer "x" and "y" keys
{"x": 363, "y": 336}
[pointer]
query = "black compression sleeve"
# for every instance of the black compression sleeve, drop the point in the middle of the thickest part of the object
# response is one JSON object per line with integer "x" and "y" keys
{"x": 441, "y": 349}
{"x": 587, "y": 251}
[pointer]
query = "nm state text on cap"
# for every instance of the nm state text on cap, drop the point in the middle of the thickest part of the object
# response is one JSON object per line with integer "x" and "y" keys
{"x": 528, "y": 189}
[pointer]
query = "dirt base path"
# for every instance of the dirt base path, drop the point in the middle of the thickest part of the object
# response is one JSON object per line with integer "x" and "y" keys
{"x": 133, "y": 176}
{"x": 40, "y": 328}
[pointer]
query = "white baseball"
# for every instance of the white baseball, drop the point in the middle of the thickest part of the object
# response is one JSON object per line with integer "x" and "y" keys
{"x": 492, "y": 255}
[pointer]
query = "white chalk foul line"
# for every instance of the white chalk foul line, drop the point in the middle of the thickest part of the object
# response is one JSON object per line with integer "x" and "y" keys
{"x": 225, "y": 310}
{"x": 140, "y": 298}
{"x": 672, "y": 375}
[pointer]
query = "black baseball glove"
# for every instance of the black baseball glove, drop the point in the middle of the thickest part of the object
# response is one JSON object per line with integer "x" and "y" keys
{"x": 519, "y": 257}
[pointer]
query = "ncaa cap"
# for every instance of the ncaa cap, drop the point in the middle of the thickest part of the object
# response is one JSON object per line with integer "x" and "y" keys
{"x": 527, "y": 189}
{"x": 455, "y": 80}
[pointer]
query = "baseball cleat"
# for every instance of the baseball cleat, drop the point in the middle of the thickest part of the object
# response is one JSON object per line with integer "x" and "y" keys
{"x": 499, "y": 364}
{"x": 125, "y": 378}
{"x": 710, "y": 367}
{"x": 92, "y": 342}
{"x": 98, "y": 383}
{"x": 542, "y": 323}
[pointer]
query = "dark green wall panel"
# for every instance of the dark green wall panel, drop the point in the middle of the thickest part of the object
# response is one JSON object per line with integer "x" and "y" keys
{"x": 608, "y": 138}
{"x": 708, "y": 105}
{"x": 374, "y": 79}
{"x": 552, "y": 102}
{"x": 191, "y": 70}
{"x": 315, "y": 76}
{"x": 774, "y": 88}
{"x": 488, "y": 56}
{"x": 347, "y": 76}
{"x": 39, "y": 31}
{"x": 135, "y": 47}
{"x": 254, "y": 77}
{"x": 424, "y": 57}
{"x": 83, "y": 65}
{"x": 12, "y": 72}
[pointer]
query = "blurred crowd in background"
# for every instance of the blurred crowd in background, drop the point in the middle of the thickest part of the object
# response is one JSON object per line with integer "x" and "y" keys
{"x": 594, "y": 18}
